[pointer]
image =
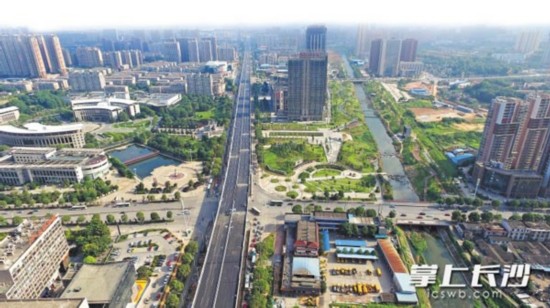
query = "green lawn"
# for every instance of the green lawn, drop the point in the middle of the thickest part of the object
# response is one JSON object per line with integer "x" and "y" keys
{"x": 346, "y": 185}
{"x": 132, "y": 124}
{"x": 356, "y": 154}
{"x": 293, "y": 126}
{"x": 284, "y": 154}
{"x": 326, "y": 172}
{"x": 205, "y": 115}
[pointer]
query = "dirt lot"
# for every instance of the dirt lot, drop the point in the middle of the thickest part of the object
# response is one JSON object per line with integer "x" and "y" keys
{"x": 476, "y": 127}
{"x": 436, "y": 115}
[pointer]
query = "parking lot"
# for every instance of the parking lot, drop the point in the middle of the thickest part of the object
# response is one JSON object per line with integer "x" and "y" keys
{"x": 343, "y": 276}
{"x": 156, "y": 249}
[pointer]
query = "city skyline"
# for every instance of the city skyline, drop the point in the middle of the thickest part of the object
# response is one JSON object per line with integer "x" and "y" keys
{"x": 468, "y": 13}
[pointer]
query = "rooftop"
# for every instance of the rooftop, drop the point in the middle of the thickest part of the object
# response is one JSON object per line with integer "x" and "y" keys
{"x": 34, "y": 128}
{"x": 98, "y": 106}
{"x": 44, "y": 303}
{"x": 8, "y": 109}
{"x": 404, "y": 283}
{"x": 20, "y": 239}
{"x": 330, "y": 215}
{"x": 97, "y": 282}
{"x": 57, "y": 158}
{"x": 391, "y": 255}
{"x": 306, "y": 267}
{"x": 101, "y": 101}
{"x": 351, "y": 243}
{"x": 307, "y": 234}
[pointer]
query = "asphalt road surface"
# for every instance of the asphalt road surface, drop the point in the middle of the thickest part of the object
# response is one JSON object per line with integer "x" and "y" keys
{"x": 219, "y": 279}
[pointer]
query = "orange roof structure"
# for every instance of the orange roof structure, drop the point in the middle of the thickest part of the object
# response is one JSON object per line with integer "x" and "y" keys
{"x": 391, "y": 255}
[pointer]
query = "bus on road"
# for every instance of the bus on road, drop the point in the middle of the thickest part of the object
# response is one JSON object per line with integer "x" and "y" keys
{"x": 122, "y": 204}
{"x": 78, "y": 207}
{"x": 275, "y": 202}
{"x": 255, "y": 211}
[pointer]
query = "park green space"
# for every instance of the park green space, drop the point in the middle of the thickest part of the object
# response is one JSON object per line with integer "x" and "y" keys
{"x": 326, "y": 173}
{"x": 432, "y": 138}
{"x": 345, "y": 185}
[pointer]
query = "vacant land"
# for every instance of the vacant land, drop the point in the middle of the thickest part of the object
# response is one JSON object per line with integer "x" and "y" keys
{"x": 438, "y": 114}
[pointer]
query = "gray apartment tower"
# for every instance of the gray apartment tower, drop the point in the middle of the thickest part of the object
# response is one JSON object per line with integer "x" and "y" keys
{"x": 21, "y": 56}
{"x": 307, "y": 86}
{"x": 384, "y": 57}
{"x": 189, "y": 48}
{"x": 376, "y": 59}
{"x": 316, "y": 38}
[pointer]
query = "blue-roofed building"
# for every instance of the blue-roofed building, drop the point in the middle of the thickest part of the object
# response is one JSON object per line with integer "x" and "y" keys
{"x": 351, "y": 243}
{"x": 354, "y": 254}
{"x": 419, "y": 92}
{"x": 406, "y": 291}
{"x": 326, "y": 240}
{"x": 460, "y": 159}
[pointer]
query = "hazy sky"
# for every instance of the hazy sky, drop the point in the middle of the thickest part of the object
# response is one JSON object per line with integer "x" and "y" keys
{"x": 43, "y": 15}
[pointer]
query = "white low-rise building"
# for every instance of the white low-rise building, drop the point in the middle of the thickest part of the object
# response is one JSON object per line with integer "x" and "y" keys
{"x": 48, "y": 165}
{"x": 161, "y": 99}
{"x": 9, "y": 114}
{"x": 38, "y": 135}
{"x": 103, "y": 109}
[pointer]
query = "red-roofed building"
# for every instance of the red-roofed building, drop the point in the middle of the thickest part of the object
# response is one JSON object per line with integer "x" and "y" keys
{"x": 392, "y": 256}
{"x": 307, "y": 239}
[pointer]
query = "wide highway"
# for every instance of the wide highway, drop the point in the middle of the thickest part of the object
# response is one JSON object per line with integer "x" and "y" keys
{"x": 219, "y": 278}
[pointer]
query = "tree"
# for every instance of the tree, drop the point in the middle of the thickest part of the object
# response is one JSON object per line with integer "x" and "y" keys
{"x": 176, "y": 285}
{"x": 371, "y": 213}
{"x": 144, "y": 271}
{"x": 192, "y": 247}
{"x": 169, "y": 214}
{"x": 392, "y": 214}
{"x": 297, "y": 209}
{"x": 360, "y": 211}
{"x": 140, "y": 217}
{"x": 514, "y": 203}
{"x": 183, "y": 271}
{"x": 177, "y": 195}
{"x": 456, "y": 216}
{"x": 474, "y": 217}
{"x": 495, "y": 203}
{"x": 164, "y": 197}
{"x": 486, "y": 216}
{"x": 17, "y": 220}
{"x": 80, "y": 219}
{"x": 468, "y": 246}
{"x": 124, "y": 218}
{"x": 477, "y": 202}
{"x": 65, "y": 219}
{"x": 173, "y": 300}
{"x": 347, "y": 229}
{"x": 111, "y": 219}
{"x": 155, "y": 216}
{"x": 515, "y": 216}
{"x": 89, "y": 260}
{"x": 187, "y": 258}
{"x": 339, "y": 210}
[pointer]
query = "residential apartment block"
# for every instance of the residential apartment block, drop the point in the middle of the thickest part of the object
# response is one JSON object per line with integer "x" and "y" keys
{"x": 31, "y": 258}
